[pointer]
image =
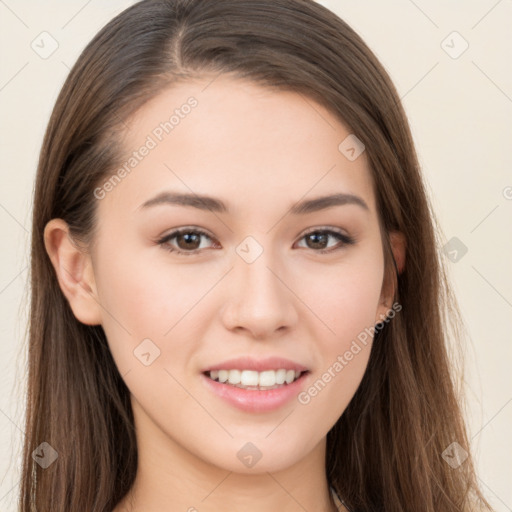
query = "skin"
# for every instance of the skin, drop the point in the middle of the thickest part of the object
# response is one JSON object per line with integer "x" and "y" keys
{"x": 260, "y": 152}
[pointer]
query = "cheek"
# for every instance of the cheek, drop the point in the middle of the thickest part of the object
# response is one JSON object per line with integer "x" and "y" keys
{"x": 343, "y": 299}
{"x": 143, "y": 292}
{"x": 349, "y": 311}
{"x": 144, "y": 298}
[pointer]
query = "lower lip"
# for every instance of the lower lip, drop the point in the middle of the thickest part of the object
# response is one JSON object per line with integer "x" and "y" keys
{"x": 252, "y": 400}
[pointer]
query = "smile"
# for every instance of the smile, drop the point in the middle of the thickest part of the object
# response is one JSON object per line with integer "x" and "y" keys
{"x": 251, "y": 379}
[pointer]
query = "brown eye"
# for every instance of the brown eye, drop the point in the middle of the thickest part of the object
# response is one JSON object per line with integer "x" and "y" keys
{"x": 319, "y": 240}
{"x": 186, "y": 241}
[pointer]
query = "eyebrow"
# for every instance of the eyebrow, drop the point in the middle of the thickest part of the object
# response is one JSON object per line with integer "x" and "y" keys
{"x": 202, "y": 202}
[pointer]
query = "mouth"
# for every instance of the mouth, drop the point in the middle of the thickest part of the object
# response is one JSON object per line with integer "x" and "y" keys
{"x": 254, "y": 380}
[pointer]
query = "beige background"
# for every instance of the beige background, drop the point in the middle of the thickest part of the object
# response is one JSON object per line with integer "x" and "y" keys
{"x": 460, "y": 110}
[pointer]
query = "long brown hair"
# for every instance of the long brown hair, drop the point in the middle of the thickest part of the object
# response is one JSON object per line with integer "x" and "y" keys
{"x": 385, "y": 451}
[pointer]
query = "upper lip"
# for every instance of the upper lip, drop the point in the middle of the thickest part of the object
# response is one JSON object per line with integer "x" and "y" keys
{"x": 259, "y": 365}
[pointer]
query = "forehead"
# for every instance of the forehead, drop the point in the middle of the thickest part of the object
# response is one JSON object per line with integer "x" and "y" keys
{"x": 237, "y": 140}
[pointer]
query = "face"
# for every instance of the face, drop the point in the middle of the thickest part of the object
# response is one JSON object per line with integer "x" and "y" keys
{"x": 257, "y": 271}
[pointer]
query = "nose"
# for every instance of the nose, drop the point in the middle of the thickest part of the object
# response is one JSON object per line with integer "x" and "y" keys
{"x": 261, "y": 299}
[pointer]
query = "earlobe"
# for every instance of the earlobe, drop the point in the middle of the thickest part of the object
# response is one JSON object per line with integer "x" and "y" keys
{"x": 74, "y": 271}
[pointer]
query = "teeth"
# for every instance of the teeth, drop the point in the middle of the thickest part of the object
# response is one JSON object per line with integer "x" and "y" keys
{"x": 234, "y": 376}
{"x": 267, "y": 378}
{"x": 280, "y": 376}
{"x": 251, "y": 378}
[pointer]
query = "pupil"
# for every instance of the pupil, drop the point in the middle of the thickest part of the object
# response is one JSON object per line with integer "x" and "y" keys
{"x": 317, "y": 236}
{"x": 188, "y": 237}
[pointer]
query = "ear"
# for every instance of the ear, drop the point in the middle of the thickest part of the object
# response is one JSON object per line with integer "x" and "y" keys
{"x": 398, "y": 247}
{"x": 73, "y": 267}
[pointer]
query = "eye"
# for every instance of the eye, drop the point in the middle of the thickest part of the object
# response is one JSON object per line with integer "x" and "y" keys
{"x": 188, "y": 241}
{"x": 319, "y": 239}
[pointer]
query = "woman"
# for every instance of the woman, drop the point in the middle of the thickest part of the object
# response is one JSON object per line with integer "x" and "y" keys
{"x": 236, "y": 296}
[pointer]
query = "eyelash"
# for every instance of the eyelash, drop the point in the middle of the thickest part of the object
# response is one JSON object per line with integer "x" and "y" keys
{"x": 164, "y": 242}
